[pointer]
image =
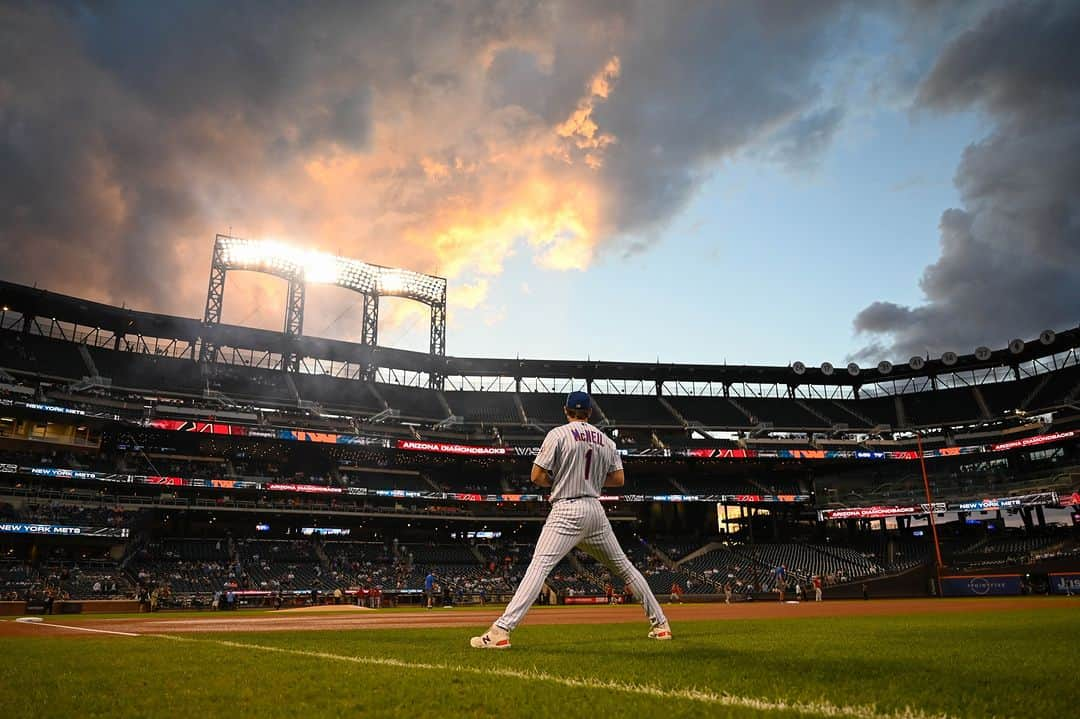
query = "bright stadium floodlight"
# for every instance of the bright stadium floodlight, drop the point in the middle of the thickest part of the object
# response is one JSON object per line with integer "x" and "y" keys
{"x": 302, "y": 267}
{"x": 322, "y": 268}
{"x": 391, "y": 282}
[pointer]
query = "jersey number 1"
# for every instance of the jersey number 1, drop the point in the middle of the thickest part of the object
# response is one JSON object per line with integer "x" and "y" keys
{"x": 588, "y": 463}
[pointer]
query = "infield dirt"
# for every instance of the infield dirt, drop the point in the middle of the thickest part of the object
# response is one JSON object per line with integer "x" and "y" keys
{"x": 441, "y": 618}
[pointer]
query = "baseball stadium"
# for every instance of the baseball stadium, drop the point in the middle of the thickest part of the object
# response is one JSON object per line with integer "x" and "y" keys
{"x": 217, "y": 515}
{"x": 539, "y": 358}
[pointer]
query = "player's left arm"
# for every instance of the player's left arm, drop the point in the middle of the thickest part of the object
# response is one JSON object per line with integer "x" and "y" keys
{"x": 615, "y": 479}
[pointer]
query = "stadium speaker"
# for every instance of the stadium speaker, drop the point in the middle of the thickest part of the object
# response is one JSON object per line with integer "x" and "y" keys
{"x": 982, "y": 353}
{"x": 949, "y": 358}
{"x": 798, "y": 368}
{"x": 884, "y": 367}
{"x": 916, "y": 363}
{"x": 1047, "y": 337}
{"x": 826, "y": 369}
{"x": 1016, "y": 346}
{"x": 853, "y": 369}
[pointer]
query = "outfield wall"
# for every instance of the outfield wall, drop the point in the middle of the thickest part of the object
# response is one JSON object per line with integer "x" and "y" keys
{"x": 1065, "y": 583}
{"x": 90, "y": 606}
{"x": 982, "y": 585}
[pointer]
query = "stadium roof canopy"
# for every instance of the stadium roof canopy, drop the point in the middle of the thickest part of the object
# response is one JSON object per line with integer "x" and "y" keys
{"x": 120, "y": 321}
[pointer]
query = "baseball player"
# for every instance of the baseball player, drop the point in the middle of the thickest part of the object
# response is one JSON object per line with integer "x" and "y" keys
{"x": 576, "y": 460}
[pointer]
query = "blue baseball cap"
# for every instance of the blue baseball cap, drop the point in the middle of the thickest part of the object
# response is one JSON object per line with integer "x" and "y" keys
{"x": 578, "y": 400}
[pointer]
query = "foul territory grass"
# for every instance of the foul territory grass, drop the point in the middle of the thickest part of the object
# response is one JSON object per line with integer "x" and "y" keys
{"x": 1008, "y": 663}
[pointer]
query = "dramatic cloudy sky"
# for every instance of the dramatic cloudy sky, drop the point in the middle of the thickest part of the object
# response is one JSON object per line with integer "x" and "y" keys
{"x": 727, "y": 181}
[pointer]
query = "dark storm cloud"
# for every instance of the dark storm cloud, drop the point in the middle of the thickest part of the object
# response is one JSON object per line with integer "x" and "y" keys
{"x": 400, "y": 132}
{"x": 803, "y": 142}
{"x": 704, "y": 81}
{"x": 1010, "y": 257}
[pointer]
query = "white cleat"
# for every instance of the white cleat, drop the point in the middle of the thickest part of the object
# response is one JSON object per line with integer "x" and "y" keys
{"x": 661, "y": 632}
{"x": 494, "y": 638}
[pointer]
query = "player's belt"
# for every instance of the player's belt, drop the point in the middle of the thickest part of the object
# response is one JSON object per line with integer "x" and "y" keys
{"x": 568, "y": 499}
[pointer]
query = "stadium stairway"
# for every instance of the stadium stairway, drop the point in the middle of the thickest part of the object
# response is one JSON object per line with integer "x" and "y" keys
{"x": 592, "y": 577}
{"x": 759, "y": 485}
{"x": 577, "y": 565}
{"x": 1035, "y": 392}
{"x": 692, "y": 555}
{"x": 981, "y": 402}
{"x": 234, "y": 552}
{"x": 827, "y": 420}
{"x": 520, "y": 408}
{"x": 743, "y": 410}
{"x": 974, "y": 548}
{"x": 1073, "y": 394}
{"x": 291, "y": 386}
{"x": 660, "y": 554}
{"x": 600, "y": 411}
{"x": 88, "y": 360}
{"x": 378, "y": 396}
{"x": 826, "y": 551}
{"x": 131, "y": 550}
{"x": 681, "y": 488}
{"x": 324, "y": 559}
{"x": 444, "y": 404}
{"x": 901, "y": 415}
{"x": 857, "y": 415}
{"x": 674, "y": 412}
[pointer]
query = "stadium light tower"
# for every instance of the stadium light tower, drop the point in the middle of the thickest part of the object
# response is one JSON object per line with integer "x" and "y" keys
{"x": 301, "y": 267}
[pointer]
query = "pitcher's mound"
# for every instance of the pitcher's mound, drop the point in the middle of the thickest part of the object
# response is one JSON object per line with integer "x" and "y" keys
{"x": 327, "y": 608}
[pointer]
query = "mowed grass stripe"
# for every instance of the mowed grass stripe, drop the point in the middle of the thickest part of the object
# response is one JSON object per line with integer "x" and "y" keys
{"x": 819, "y": 708}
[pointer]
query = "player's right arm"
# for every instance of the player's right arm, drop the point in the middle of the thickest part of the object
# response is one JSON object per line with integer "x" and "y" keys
{"x": 540, "y": 476}
{"x": 544, "y": 463}
{"x": 615, "y": 476}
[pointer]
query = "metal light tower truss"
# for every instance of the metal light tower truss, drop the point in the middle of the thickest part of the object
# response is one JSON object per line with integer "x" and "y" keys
{"x": 302, "y": 267}
{"x": 215, "y": 298}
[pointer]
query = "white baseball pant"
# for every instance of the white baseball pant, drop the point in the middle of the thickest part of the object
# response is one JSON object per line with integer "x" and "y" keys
{"x": 578, "y": 523}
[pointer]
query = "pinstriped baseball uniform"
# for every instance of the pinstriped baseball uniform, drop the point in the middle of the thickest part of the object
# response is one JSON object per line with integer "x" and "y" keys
{"x": 579, "y": 458}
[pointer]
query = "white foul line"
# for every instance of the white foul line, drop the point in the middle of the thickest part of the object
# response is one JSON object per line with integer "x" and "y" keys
{"x": 819, "y": 708}
{"x": 79, "y": 629}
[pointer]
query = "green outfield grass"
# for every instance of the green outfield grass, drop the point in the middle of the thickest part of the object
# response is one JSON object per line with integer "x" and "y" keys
{"x": 1007, "y": 663}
